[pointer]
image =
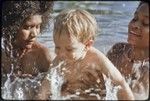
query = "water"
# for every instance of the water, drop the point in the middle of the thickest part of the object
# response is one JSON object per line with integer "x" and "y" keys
{"x": 56, "y": 78}
{"x": 56, "y": 82}
{"x": 140, "y": 68}
{"x": 20, "y": 88}
{"x": 112, "y": 17}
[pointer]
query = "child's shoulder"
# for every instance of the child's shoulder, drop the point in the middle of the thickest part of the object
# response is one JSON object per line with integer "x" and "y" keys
{"x": 96, "y": 54}
{"x": 95, "y": 51}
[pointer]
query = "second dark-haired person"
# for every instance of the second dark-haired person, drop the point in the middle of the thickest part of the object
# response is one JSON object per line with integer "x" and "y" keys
{"x": 132, "y": 58}
{"x": 22, "y": 22}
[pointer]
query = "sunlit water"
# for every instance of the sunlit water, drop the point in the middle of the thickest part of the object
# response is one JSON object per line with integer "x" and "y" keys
{"x": 141, "y": 93}
{"x": 112, "y": 17}
{"x": 56, "y": 82}
{"x": 20, "y": 89}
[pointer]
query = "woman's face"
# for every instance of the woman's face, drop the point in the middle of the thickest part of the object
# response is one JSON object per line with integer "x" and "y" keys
{"x": 138, "y": 28}
{"x": 28, "y": 31}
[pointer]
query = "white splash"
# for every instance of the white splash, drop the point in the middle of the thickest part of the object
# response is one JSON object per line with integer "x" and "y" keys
{"x": 19, "y": 94}
{"x": 139, "y": 90}
{"x": 56, "y": 82}
{"x": 7, "y": 89}
{"x": 19, "y": 88}
{"x": 56, "y": 78}
{"x": 111, "y": 91}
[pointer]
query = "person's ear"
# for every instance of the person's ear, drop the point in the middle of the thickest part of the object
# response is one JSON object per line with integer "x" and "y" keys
{"x": 89, "y": 43}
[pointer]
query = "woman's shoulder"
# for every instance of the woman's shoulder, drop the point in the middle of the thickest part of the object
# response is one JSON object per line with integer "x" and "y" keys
{"x": 119, "y": 48}
{"x": 117, "y": 51}
{"x": 40, "y": 47}
{"x": 41, "y": 50}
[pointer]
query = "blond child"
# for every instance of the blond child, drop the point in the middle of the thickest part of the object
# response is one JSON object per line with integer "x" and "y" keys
{"x": 132, "y": 58}
{"x": 84, "y": 65}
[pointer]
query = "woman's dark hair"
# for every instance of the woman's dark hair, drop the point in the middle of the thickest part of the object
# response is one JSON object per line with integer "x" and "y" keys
{"x": 15, "y": 12}
{"x": 141, "y": 2}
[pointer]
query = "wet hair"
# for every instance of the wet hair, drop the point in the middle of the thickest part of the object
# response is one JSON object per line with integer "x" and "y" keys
{"x": 141, "y": 2}
{"x": 14, "y": 13}
{"x": 76, "y": 22}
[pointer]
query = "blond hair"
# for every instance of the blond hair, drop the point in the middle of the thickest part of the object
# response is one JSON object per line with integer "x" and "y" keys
{"x": 76, "y": 22}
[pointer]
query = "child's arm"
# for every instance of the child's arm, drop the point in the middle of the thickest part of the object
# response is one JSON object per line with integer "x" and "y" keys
{"x": 110, "y": 70}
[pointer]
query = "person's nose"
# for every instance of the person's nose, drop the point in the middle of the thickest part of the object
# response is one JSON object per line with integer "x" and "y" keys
{"x": 33, "y": 32}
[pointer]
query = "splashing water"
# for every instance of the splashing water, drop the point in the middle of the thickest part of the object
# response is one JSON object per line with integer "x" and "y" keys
{"x": 141, "y": 88}
{"x": 21, "y": 88}
{"x": 20, "y": 94}
{"x": 111, "y": 91}
{"x": 56, "y": 82}
{"x": 17, "y": 90}
{"x": 7, "y": 89}
{"x": 56, "y": 79}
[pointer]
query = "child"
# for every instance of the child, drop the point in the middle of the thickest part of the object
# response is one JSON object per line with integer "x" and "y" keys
{"x": 84, "y": 66}
{"x": 22, "y": 22}
{"x": 132, "y": 58}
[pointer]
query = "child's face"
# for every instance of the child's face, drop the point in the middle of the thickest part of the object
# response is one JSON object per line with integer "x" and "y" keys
{"x": 29, "y": 30}
{"x": 68, "y": 48}
{"x": 138, "y": 29}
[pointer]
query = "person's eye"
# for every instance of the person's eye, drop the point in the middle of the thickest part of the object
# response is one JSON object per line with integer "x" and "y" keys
{"x": 57, "y": 47}
{"x": 69, "y": 49}
{"x": 27, "y": 27}
{"x": 145, "y": 24}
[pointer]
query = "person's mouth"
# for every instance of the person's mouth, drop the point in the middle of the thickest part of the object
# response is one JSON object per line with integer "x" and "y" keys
{"x": 134, "y": 33}
{"x": 29, "y": 42}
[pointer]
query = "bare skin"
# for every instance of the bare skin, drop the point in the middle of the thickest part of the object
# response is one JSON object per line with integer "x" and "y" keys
{"x": 24, "y": 59}
{"x": 126, "y": 55}
{"x": 84, "y": 72}
{"x": 35, "y": 60}
{"x": 31, "y": 57}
